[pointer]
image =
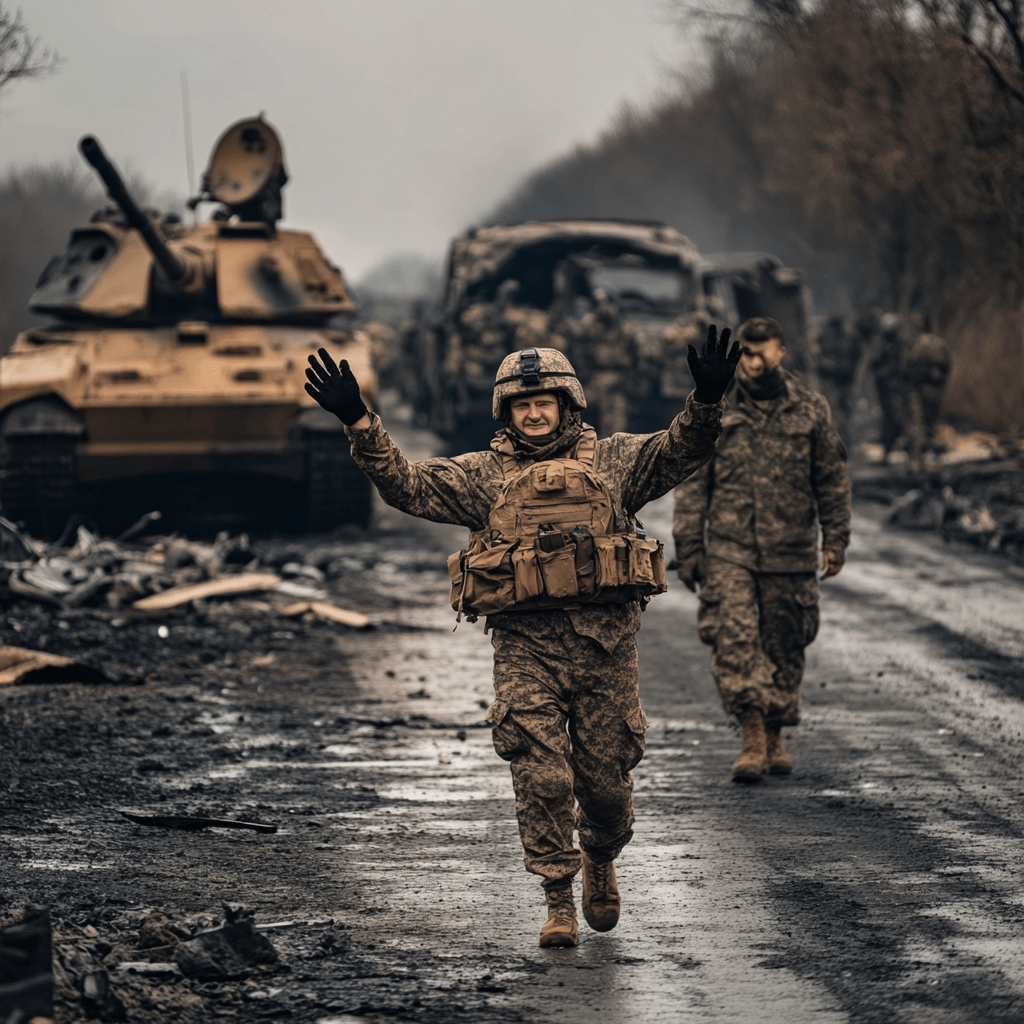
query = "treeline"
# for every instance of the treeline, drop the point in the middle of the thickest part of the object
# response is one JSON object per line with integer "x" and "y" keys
{"x": 38, "y": 208}
{"x": 876, "y": 143}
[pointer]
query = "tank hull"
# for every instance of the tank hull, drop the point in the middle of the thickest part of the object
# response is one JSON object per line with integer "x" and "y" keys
{"x": 199, "y": 407}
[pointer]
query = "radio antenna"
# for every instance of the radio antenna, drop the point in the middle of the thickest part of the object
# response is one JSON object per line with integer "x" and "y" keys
{"x": 186, "y": 116}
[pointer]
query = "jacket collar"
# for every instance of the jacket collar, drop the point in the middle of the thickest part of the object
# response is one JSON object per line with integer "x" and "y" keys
{"x": 741, "y": 400}
{"x": 505, "y": 442}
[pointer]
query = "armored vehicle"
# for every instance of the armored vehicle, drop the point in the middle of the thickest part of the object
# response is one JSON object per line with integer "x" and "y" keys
{"x": 175, "y": 367}
{"x": 623, "y": 299}
{"x": 603, "y": 291}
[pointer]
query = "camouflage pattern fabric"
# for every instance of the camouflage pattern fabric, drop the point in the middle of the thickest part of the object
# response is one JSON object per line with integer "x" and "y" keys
{"x": 571, "y": 723}
{"x": 758, "y": 625}
{"x": 567, "y": 717}
{"x": 779, "y": 471}
{"x": 925, "y": 367}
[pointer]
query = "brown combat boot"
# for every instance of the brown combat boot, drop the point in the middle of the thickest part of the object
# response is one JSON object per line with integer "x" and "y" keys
{"x": 753, "y": 760}
{"x": 600, "y": 895}
{"x": 560, "y": 929}
{"x": 779, "y": 762}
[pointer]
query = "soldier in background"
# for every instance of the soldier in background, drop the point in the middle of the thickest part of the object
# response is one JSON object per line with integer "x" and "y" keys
{"x": 839, "y": 352}
{"x": 746, "y": 531}
{"x": 925, "y": 369}
{"x": 887, "y": 370}
{"x": 608, "y": 351}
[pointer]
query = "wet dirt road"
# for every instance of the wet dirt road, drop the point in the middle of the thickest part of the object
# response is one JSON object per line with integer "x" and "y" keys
{"x": 879, "y": 883}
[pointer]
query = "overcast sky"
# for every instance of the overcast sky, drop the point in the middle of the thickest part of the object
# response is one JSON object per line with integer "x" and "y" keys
{"x": 402, "y": 120}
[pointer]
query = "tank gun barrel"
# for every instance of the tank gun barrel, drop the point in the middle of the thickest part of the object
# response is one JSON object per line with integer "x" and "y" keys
{"x": 175, "y": 268}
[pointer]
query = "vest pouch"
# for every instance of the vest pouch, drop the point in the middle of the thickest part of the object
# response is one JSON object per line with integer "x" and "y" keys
{"x": 647, "y": 565}
{"x": 612, "y": 556}
{"x": 586, "y": 568}
{"x": 456, "y": 575}
{"x": 527, "y": 580}
{"x": 558, "y": 570}
{"x": 487, "y": 583}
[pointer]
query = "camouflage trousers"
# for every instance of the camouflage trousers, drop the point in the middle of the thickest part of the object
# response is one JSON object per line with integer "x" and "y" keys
{"x": 567, "y": 717}
{"x": 759, "y": 624}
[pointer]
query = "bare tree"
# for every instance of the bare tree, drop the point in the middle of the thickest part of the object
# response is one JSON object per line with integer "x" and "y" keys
{"x": 22, "y": 55}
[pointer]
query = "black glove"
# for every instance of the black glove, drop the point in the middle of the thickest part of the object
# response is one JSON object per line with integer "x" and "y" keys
{"x": 335, "y": 388}
{"x": 713, "y": 370}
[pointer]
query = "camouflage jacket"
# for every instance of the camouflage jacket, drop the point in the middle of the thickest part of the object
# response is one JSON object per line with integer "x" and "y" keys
{"x": 778, "y": 472}
{"x": 463, "y": 490}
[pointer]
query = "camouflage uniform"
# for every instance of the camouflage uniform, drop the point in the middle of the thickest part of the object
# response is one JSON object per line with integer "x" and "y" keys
{"x": 887, "y": 369}
{"x": 839, "y": 352}
{"x": 925, "y": 369}
{"x": 779, "y": 471}
{"x": 567, "y": 714}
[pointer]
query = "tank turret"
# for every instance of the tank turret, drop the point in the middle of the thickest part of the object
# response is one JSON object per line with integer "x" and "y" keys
{"x": 177, "y": 269}
{"x": 236, "y": 266}
{"x": 179, "y": 351}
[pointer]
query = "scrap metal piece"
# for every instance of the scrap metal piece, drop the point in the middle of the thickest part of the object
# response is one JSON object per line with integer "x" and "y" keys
{"x": 192, "y": 824}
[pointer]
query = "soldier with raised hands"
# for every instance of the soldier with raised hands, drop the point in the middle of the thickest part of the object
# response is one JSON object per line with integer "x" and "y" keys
{"x": 561, "y": 568}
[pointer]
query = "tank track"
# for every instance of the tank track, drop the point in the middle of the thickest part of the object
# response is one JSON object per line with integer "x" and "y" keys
{"x": 337, "y": 490}
{"x": 38, "y": 482}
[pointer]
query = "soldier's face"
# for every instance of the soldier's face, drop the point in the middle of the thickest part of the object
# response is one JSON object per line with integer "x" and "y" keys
{"x": 760, "y": 357}
{"x": 535, "y": 415}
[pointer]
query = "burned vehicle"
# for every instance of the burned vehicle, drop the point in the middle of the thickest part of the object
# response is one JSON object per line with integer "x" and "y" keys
{"x": 623, "y": 299}
{"x": 173, "y": 375}
{"x": 602, "y": 291}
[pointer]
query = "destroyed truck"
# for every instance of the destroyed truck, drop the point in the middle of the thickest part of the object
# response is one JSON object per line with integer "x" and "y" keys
{"x": 173, "y": 376}
{"x": 623, "y": 299}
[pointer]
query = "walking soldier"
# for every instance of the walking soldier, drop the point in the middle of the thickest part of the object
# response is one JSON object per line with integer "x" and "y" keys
{"x": 561, "y": 568}
{"x": 746, "y": 531}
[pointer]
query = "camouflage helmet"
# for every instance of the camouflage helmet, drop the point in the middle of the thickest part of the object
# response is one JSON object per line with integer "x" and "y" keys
{"x": 532, "y": 372}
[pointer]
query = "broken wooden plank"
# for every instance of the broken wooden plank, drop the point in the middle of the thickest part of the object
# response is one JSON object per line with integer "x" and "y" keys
{"x": 191, "y": 824}
{"x": 354, "y": 620}
{"x": 242, "y": 583}
{"x": 21, "y": 665}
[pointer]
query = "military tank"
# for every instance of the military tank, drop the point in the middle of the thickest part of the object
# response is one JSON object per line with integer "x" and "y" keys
{"x": 175, "y": 367}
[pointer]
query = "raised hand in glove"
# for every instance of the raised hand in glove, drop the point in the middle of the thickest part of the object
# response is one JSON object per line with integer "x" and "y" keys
{"x": 692, "y": 571}
{"x": 713, "y": 369}
{"x": 335, "y": 388}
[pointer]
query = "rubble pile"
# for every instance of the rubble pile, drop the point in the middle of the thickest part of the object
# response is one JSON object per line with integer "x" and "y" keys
{"x": 156, "y": 574}
{"x": 131, "y": 963}
{"x": 982, "y": 504}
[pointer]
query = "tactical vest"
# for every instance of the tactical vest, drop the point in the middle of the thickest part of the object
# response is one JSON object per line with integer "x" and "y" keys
{"x": 552, "y": 541}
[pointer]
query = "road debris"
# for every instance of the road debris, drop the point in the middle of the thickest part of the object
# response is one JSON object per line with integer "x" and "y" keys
{"x": 26, "y": 972}
{"x": 228, "y": 951}
{"x": 191, "y": 824}
{"x": 354, "y": 620}
{"x": 19, "y": 665}
{"x": 980, "y": 502}
{"x": 244, "y": 583}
